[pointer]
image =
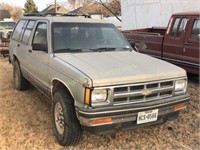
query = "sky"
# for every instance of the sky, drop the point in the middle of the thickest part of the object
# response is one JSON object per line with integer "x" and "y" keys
{"x": 41, "y": 4}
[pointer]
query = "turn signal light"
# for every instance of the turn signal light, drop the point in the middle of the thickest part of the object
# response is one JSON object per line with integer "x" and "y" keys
{"x": 102, "y": 121}
{"x": 87, "y": 96}
{"x": 179, "y": 107}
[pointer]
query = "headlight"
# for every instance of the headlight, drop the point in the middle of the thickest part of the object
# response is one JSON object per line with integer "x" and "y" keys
{"x": 99, "y": 97}
{"x": 180, "y": 85}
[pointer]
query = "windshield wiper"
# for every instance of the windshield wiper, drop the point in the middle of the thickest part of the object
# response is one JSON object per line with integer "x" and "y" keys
{"x": 67, "y": 50}
{"x": 103, "y": 49}
{"x": 126, "y": 48}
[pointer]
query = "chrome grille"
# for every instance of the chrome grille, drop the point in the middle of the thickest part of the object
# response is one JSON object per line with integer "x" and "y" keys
{"x": 138, "y": 93}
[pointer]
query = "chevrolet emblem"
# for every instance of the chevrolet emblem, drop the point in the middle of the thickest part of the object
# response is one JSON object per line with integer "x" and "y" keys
{"x": 146, "y": 92}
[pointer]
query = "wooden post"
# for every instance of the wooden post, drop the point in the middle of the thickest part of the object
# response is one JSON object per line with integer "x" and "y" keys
{"x": 55, "y": 7}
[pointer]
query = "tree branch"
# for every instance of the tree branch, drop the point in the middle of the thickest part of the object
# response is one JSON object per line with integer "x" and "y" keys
{"x": 100, "y": 1}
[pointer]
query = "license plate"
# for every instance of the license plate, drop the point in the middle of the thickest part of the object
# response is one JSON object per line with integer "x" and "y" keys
{"x": 147, "y": 116}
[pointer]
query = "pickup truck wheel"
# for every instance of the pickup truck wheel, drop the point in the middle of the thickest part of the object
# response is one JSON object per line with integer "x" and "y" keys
{"x": 20, "y": 82}
{"x": 66, "y": 125}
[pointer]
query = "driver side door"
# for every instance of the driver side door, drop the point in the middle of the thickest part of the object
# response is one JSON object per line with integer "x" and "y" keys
{"x": 38, "y": 57}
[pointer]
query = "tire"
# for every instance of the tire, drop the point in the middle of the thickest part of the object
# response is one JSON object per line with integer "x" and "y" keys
{"x": 67, "y": 128}
{"x": 20, "y": 83}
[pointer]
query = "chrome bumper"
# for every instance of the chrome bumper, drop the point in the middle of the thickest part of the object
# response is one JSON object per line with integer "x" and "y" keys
{"x": 128, "y": 113}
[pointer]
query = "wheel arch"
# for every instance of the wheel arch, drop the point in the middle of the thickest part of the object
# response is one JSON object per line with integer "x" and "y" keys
{"x": 59, "y": 84}
{"x": 15, "y": 58}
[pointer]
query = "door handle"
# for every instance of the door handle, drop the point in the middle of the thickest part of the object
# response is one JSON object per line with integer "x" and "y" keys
{"x": 30, "y": 51}
{"x": 188, "y": 43}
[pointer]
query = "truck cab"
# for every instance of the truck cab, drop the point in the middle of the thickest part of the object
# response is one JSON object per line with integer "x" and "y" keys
{"x": 181, "y": 41}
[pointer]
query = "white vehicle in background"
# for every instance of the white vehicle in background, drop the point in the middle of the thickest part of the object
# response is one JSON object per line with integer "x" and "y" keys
{"x": 6, "y": 28}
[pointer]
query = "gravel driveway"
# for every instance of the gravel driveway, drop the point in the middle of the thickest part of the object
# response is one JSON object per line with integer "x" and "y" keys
{"x": 26, "y": 123}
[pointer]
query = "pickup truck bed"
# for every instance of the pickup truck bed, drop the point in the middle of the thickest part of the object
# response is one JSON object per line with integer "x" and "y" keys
{"x": 153, "y": 30}
{"x": 148, "y": 40}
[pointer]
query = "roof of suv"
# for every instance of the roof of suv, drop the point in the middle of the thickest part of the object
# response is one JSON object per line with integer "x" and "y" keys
{"x": 70, "y": 19}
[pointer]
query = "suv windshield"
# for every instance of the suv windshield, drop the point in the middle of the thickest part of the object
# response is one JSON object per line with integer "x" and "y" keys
{"x": 85, "y": 37}
{"x": 7, "y": 25}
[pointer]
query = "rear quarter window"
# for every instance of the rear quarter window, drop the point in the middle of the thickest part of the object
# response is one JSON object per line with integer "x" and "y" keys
{"x": 19, "y": 29}
{"x": 195, "y": 30}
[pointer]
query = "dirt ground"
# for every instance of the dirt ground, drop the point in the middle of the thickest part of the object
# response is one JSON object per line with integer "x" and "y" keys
{"x": 26, "y": 123}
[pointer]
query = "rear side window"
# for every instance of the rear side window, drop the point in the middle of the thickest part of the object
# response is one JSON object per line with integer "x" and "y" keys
{"x": 195, "y": 30}
{"x": 182, "y": 27}
{"x": 19, "y": 29}
{"x": 175, "y": 27}
{"x": 28, "y": 31}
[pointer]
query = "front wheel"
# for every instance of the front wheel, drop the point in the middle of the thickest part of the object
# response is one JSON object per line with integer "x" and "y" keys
{"x": 66, "y": 125}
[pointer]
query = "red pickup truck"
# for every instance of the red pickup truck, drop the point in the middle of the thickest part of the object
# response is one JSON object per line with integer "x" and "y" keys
{"x": 178, "y": 43}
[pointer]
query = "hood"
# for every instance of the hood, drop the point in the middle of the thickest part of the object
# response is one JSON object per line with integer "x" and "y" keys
{"x": 122, "y": 67}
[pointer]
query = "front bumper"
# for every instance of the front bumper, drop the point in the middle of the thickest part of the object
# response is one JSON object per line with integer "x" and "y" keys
{"x": 125, "y": 116}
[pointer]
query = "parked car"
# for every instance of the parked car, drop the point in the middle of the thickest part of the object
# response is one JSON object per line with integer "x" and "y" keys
{"x": 93, "y": 78}
{"x": 6, "y": 28}
{"x": 178, "y": 43}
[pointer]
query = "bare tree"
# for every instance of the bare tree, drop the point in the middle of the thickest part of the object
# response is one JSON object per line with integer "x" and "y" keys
{"x": 112, "y": 6}
{"x": 15, "y": 12}
{"x": 4, "y": 14}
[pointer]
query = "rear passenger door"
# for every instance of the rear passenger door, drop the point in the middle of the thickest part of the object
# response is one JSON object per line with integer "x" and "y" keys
{"x": 37, "y": 58}
{"x": 17, "y": 48}
{"x": 173, "y": 41}
{"x": 191, "y": 45}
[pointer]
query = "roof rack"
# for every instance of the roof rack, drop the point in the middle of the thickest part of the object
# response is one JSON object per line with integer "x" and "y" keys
{"x": 57, "y": 14}
{"x": 76, "y": 15}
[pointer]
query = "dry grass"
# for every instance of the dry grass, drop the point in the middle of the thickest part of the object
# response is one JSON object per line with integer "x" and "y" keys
{"x": 26, "y": 123}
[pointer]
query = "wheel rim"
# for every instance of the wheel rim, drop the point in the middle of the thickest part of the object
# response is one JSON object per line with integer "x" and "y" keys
{"x": 59, "y": 118}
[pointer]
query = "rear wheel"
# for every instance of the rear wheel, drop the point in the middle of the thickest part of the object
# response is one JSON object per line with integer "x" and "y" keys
{"x": 66, "y": 125}
{"x": 20, "y": 83}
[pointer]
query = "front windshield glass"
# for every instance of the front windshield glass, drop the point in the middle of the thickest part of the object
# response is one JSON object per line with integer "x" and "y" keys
{"x": 7, "y": 25}
{"x": 87, "y": 37}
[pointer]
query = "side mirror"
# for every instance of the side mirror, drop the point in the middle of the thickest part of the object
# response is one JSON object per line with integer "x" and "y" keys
{"x": 134, "y": 47}
{"x": 39, "y": 47}
{"x": 133, "y": 44}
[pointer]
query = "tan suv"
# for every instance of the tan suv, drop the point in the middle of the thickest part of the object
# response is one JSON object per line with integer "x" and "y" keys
{"x": 94, "y": 79}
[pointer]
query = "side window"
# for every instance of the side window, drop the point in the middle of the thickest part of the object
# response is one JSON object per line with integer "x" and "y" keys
{"x": 175, "y": 27}
{"x": 169, "y": 26}
{"x": 195, "y": 30}
{"x": 40, "y": 36}
{"x": 28, "y": 31}
{"x": 19, "y": 29}
{"x": 182, "y": 27}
